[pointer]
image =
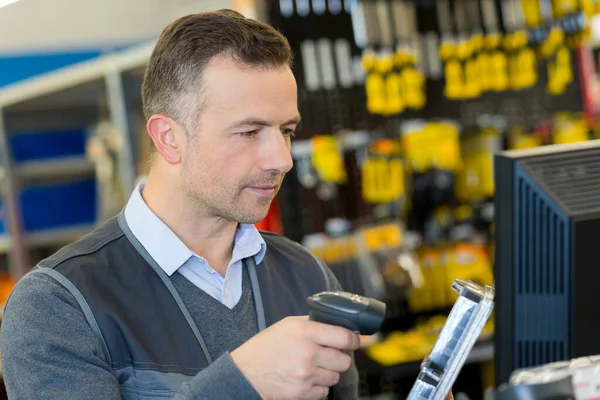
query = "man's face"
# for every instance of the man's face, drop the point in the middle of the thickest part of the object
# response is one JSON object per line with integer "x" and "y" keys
{"x": 234, "y": 163}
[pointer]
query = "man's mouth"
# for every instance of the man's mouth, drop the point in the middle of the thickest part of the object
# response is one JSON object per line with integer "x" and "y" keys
{"x": 264, "y": 190}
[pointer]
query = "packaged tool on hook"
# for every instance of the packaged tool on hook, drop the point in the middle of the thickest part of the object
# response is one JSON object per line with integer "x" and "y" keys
{"x": 458, "y": 336}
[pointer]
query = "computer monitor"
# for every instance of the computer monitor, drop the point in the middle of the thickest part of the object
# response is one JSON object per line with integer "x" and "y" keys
{"x": 547, "y": 257}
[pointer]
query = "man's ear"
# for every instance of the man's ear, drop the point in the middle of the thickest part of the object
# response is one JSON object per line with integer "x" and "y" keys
{"x": 163, "y": 132}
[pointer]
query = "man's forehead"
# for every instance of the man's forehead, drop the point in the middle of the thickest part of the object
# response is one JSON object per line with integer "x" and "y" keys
{"x": 239, "y": 88}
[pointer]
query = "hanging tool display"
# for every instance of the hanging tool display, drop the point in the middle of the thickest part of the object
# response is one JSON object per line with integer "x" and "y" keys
{"x": 335, "y": 6}
{"x": 556, "y": 28}
{"x": 327, "y": 159}
{"x": 406, "y": 58}
{"x": 547, "y": 38}
{"x": 560, "y": 72}
{"x": 360, "y": 31}
{"x": 475, "y": 181}
{"x": 571, "y": 22}
{"x": 388, "y": 34}
{"x": 569, "y": 128}
{"x": 437, "y": 177}
{"x": 335, "y": 80}
{"x": 434, "y": 260}
{"x": 327, "y": 179}
{"x": 452, "y": 249}
{"x": 328, "y": 98}
{"x": 454, "y": 79}
{"x": 381, "y": 81}
{"x": 375, "y": 83}
{"x": 474, "y": 70}
{"x": 365, "y": 24}
{"x": 319, "y": 6}
{"x": 286, "y": 8}
{"x": 392, "y": 82}
{"x": 321, "y": 33}
{"x": 372, "y": 261}
{"x": 466, "y": 49}
{"x": 383, "y": 173}
{"x": 573, "y": 16}
{"x": 520, "y": 139}
{"x": 312, "y": 85}
{"x": 432, "y": 157}
{"x": 303, "y": 8}
{"x": 493, "y": 62}
{"x": 522, "y": 63}
{"x": 538, "y": 20}
{"x": 467, "y": 254}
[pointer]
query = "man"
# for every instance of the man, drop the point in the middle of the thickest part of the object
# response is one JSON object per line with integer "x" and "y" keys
{"x": 180, "y": 296}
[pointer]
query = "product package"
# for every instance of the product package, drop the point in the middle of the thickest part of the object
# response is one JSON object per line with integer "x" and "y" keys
{"x": 577, "y": 379}
{"x": 463, "y": 327}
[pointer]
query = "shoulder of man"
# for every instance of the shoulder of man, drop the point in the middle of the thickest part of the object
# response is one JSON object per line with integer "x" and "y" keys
{"x": 281, "y": 248}
{"x": 96, "y": 258}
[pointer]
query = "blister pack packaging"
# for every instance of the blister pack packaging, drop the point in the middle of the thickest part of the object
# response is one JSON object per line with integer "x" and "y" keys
{"x": 455, "y": 341}
{"x": 576, "y": 379}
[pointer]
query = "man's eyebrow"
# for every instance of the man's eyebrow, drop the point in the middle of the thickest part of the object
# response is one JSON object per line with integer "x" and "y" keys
{"x": 261, "y": 122}
{"x": 295, "y": 121}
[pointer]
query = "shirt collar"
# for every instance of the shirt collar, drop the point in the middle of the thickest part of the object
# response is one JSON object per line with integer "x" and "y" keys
{"x": 168, "y": 250}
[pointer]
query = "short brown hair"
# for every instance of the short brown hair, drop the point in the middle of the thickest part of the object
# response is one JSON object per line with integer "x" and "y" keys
{"x": 187, "y": 45}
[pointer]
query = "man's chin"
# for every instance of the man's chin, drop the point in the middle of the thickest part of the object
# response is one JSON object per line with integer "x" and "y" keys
{"x": 254, "y": 216}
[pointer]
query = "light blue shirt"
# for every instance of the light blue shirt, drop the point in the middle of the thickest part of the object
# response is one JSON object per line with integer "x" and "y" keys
{"x": 172, "y": 255}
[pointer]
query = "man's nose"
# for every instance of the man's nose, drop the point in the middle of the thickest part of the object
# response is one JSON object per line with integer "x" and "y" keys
{"x": 277, "y": 155}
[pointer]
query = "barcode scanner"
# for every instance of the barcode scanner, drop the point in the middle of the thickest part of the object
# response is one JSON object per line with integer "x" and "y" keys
{"x": 359, "y": 314}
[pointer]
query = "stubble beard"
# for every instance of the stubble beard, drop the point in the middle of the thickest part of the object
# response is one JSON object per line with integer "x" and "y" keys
{"x": 228, "y": 204}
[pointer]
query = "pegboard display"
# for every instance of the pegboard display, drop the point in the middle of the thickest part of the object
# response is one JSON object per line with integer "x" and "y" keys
{"x": 332, "y": 98}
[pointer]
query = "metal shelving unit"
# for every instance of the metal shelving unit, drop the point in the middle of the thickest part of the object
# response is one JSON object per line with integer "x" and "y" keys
{"x": 79, "y": 94}
{"x": 65, "y": 166}
{"x": 75, "y": 93}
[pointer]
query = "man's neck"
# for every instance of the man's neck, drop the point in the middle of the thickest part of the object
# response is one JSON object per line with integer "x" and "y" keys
{"x": 207, "y": 236}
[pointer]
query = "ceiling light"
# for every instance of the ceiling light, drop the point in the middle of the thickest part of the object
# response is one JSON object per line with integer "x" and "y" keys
{"x": 4, "y": 3}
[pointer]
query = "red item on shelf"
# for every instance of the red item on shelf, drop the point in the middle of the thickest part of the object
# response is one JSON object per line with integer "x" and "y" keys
{"x": 272, "y": 222}
{"x": 590, "y": 87}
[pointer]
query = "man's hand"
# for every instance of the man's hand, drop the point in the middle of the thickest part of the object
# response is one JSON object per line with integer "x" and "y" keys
{"x": 296, "y": 359}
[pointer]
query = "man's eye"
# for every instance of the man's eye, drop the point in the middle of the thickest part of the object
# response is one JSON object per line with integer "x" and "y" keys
{"x": 250, "y": 133}
{"x": 288, "y": 132}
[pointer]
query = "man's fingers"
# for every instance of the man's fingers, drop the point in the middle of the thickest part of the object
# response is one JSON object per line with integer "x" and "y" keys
{"x": 326, "y": 378}
{"x": 333, "y": 360}
{"x": 334, "y": 336}
{"x": 317, "y": 393}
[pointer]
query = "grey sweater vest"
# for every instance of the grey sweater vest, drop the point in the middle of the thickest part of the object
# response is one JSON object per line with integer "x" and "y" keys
{"x": 157, "y": 333}
{"x": 236, "y": 325}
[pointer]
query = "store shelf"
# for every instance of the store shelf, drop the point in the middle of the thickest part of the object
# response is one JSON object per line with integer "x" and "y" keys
{"x": 63, "y": 167}
{"x": 50, "y": 237}
{"x": 88, "y": 76}
{"x": 58, "y": 236}
{"x": 80, "y": 95}
{"x": 483, "y": 351}
{"x": 349, "y": 140}
{"x": 5, "y": 244}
